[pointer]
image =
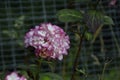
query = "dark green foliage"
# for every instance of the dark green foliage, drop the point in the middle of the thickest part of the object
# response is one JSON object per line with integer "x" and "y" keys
{"x": 50, "y": 76}
{"x": 108, "y": 20}
{"x": 113, "y": 75}
{"x": 88, "y": 36}
{"x": 94, "y": 20}
{"x": 69, "y": 15}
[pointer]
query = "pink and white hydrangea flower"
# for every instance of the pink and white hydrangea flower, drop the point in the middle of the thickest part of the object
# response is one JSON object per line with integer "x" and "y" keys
{"x": 49, "y": 41}
{"x": 14, "y": 76}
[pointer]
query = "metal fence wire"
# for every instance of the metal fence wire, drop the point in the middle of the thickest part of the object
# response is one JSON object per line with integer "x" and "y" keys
{"x": 18, "y": 16}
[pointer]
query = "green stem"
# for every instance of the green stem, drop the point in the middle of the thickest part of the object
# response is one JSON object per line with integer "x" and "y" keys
{"x": 102, "y": 76}
{"x": 39, "y": 62}
{"x": 102, "y": 46}
{"x": 77, "y": 57}
{"x": 105, "y": 65}
{"x": 64, "y": 61}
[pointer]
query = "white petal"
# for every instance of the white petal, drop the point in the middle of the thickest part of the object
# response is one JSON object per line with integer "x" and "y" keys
{"x": 37, "y": 27}
{"x": 42, "y": 33}
{"x": 50, "y": 28}
{"x": 60, "y": 57}
{"x": 13, "y": 76}
{"x": 31, "y": 33}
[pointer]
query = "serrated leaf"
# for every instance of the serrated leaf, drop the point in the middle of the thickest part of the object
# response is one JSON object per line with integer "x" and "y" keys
{"x": 69, "y": 15}
{"x": 108, "y": 20}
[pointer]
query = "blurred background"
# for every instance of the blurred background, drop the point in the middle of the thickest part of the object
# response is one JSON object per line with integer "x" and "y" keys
{"x": 18, "y": 16}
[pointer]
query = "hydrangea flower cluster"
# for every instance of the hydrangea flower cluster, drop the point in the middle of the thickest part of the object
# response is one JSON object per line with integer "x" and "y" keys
{"x": 14, "y": 76}
{"x": 49, "y": 41}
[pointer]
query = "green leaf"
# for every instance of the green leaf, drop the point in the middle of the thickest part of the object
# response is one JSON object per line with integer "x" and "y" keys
{"x": 45, "y": 78}
{"x": 108, "y": 20}
{"x": 88, "y": 36}
{"x": 32, "y": 69}
{"x": 12, "y": 33}
{"x": 24, "y": 73}
{"x": 19, "y": 22}
{"x": 81, "y": 71}
{"x": 69, "y": 15}
{"x": 50, "y": 76}
{"x": 95, "y": 20}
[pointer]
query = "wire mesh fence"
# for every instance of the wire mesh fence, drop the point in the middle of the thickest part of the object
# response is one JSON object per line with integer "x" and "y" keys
{"x": 18, "y": 16}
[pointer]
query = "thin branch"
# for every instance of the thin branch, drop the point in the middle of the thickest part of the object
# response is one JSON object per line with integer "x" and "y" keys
{"x": 77, "y": 57}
